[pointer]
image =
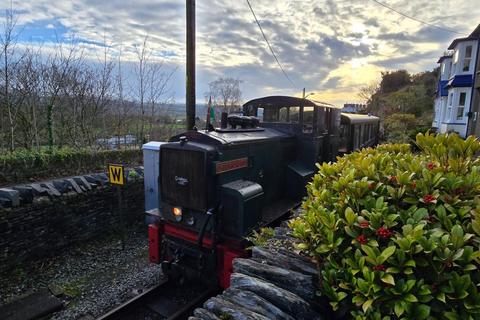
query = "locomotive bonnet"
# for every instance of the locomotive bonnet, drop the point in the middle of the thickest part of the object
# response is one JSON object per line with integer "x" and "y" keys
{"x": 215, "y": 186}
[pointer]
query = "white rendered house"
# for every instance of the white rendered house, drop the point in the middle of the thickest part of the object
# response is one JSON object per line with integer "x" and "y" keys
{"x": 453, "y": 102}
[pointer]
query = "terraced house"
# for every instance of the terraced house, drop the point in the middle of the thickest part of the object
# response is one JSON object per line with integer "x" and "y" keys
{"x": 457, "y": 102}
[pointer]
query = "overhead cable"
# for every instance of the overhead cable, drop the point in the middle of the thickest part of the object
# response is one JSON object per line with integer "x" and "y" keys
{"x": 270, "y": 47}
{"x": 416, "y": 19}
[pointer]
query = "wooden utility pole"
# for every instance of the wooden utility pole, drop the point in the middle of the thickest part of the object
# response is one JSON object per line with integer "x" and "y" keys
{"x": 190, "y": 90}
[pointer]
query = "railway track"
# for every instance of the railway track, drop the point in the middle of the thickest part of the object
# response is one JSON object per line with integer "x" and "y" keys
{"x": 167, "y": 300}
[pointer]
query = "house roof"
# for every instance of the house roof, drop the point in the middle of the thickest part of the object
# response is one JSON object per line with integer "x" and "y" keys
{"x": 475, "y": 35}
{"x": 443, "y": 58}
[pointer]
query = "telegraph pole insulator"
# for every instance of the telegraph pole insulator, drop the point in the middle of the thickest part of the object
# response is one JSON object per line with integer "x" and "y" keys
{"x": 190, "y": 90}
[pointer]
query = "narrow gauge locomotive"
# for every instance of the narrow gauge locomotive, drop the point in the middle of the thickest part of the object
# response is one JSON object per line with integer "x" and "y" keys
{"x": 217, "y": 185}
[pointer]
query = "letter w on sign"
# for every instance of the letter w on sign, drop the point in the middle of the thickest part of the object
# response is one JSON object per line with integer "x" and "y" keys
{"x": 116, "y": 174}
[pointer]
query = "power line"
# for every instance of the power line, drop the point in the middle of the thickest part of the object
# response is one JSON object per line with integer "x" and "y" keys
{"x": 416, "y": 19}
{"x": 269, "y": 46}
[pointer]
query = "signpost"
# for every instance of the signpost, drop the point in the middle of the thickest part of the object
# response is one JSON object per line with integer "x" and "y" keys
{"x": 116, "y": 176}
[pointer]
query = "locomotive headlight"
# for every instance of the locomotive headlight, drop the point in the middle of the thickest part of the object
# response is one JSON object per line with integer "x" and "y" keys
{"x": 177, "y": 213}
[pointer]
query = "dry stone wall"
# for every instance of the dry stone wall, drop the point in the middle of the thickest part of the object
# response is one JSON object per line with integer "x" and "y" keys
{"x": 38, "y": 219}
{"x": 274, "y": 283}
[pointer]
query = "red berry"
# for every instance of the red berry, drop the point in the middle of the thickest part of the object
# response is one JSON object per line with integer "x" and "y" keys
{"x": 393, "y": 179}
{"x": 414, "y": 185}
{"x": 383, "y": 233}
{"x": 371, "y": 186}
{"x": 431, "y": 166}
{"x": 362, "y": 239}
{"x": 379, "y": 267}
{"x": 364, "y": 224}
{"x": 428, "y": 198}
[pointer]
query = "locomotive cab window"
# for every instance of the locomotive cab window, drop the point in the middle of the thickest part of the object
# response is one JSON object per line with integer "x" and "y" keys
{"x": 308, "y": 117}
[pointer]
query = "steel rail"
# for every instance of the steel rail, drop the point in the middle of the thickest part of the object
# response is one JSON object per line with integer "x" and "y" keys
{"x": 121, "y": 308}
{"x": 158, "y": 296}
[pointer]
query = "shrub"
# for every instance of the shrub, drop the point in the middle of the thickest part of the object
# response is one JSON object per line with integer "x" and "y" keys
{"x": 397, "y": 234}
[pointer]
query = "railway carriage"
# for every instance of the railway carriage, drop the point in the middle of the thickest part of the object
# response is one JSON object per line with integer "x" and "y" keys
{"x": 218, "y": 185}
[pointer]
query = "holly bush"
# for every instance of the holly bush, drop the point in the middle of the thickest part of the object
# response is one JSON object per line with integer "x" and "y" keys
{"x": 396, "y": 234}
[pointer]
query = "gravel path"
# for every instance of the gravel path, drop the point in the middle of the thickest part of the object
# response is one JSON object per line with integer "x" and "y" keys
{"x": 90, "y": 278}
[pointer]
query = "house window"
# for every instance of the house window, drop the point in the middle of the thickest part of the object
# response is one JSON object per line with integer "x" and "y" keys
{"x": 448, "y": 115}
{"x": 443, "y": 68}
{"x": 468, "y": 58}
{"x": 455, "y": 57}
{"x": 461, "y": 105}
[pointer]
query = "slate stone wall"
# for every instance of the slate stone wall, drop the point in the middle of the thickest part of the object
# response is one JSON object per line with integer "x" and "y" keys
{"x": 275, "y": 283}
{"x": 40, "y": 219}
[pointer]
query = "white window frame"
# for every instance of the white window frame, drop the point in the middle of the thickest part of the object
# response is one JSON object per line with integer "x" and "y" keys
{"x": 448, "y": 114}
{"x": 461, "y": 107}
{"x": 466, "y": 59}
{"x": 455, "y": 56}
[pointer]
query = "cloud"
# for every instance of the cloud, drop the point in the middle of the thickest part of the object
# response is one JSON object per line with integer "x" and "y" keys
{"x": 330, "y": 46}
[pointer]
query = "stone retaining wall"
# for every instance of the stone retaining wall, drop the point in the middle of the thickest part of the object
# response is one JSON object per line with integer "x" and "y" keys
{"x": 275, "y": 283}
{"x": 41, "y": 218}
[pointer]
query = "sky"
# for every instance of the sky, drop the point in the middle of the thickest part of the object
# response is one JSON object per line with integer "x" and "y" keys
{"x": 330, "y": 47}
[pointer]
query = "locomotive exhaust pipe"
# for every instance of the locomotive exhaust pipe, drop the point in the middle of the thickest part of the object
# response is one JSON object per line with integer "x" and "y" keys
{"x": 223, "y": 121}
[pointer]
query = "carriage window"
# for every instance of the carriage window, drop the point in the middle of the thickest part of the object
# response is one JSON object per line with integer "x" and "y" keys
{"x": 260, "y": 114}
{"x": 307, "y": 120}
{"x": 344, "y": 135}
{"x": 284, "y": 114}
{"x": 294, "y": 114}
{"x": 357, "y": 136}
{"x": 270, "y": 114}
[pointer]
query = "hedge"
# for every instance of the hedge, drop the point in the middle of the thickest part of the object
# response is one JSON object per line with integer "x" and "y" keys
{"x": 396, "y": 234}
{"x": 23, "y": 166}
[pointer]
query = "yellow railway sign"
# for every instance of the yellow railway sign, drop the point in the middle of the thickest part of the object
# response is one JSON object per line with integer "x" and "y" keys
{"x": 116, "y": 174}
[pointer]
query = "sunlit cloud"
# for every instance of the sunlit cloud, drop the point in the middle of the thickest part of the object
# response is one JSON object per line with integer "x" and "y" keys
{"x": 333, "y": 47}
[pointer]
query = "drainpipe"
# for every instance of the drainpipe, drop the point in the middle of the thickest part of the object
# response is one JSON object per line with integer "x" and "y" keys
{"x": 470, "y": 125}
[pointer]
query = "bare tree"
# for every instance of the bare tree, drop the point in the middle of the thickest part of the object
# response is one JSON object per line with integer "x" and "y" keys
{"x": 158, "y": 81}
{"x": 28, "y": 100}
{"x": 225, "y": 93}
{"x": 368, "y": 91}
{"x": 56, "y": 74}
{"x": 63, "y": 98}
{"x": 143, "y": 56}
{"x": 8, "y": 42}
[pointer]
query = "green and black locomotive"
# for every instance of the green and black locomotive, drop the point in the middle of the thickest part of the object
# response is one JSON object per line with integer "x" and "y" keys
{"x": 216, "y": 186}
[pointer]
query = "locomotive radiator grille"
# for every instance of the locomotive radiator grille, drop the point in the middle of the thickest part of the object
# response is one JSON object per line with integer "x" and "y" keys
{"x": 183, "y": 178}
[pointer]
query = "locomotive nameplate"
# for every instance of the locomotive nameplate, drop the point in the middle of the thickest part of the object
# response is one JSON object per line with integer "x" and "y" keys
{"x": 230, "y": 165}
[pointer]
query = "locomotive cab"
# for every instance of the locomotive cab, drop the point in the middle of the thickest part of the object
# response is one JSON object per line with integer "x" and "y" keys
{"x": 313, "y": 124}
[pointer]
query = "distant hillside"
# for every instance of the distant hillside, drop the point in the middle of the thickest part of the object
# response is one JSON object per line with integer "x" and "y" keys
{"x": 177, "y": 110}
